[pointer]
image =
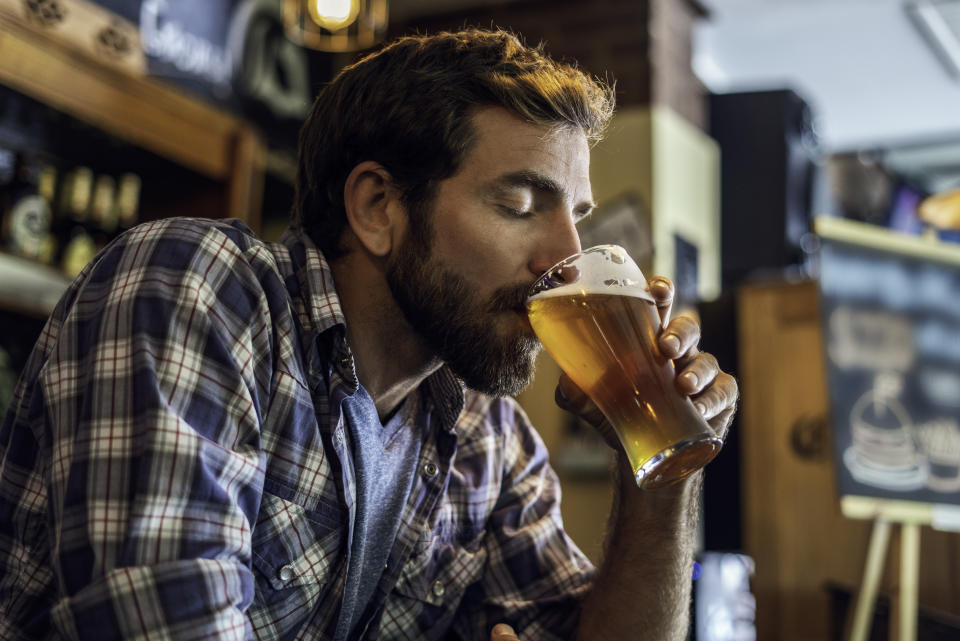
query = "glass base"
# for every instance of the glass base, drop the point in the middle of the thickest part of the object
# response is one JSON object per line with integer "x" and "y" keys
{"x": 677, "y": 462}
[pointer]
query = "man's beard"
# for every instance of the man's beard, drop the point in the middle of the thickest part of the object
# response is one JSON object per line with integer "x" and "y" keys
{"x": 444, "y": 312}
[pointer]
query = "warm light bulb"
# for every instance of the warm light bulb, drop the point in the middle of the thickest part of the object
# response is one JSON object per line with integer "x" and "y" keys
{"x": 333, "y": 15}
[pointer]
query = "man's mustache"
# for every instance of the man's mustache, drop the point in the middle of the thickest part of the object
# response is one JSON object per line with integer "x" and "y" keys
{"x": 510, "y": 298}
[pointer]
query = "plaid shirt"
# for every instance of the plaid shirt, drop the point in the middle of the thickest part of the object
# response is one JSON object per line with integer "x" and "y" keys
{"x": 174, "y": 465}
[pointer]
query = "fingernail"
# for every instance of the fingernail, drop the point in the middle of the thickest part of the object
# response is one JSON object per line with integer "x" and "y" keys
{"x": 671, "y": 341}
{"x": 691, "y": 380}
{"x": 701, "y": 408}
{"x": 504, "y": 629}
{"x": 661, "y": 284}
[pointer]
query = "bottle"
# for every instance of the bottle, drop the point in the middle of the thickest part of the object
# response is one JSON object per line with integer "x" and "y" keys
{"x": 47, "y": 189}
{"x": 75, "y": 199}
{"x": 103, "y": 211}
{"x": 27, "y": 221}
{"x": 8, "y": 161}
{"x": 128, "y": 200}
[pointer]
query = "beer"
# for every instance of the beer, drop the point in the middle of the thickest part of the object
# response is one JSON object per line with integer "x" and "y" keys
{"x": 607, "y": 344}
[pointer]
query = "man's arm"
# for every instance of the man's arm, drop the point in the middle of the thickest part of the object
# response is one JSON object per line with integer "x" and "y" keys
{"x": 643, "y": 587}
{"x": 146, "y": 481}
{"x": 642, "y": 590}
{"x": 644, "y": 584}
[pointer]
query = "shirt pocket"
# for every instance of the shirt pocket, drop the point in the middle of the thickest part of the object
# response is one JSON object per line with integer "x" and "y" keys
{"x": 430, "y": 589}
{"x": 296, "y": 551}
{"x": 441, "y": 568}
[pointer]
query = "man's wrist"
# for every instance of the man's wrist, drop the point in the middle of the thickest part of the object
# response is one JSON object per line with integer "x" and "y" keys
{"x": 676, "y": 498}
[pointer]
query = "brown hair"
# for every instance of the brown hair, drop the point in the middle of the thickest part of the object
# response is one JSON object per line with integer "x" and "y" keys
{"x": 408, "y": 107}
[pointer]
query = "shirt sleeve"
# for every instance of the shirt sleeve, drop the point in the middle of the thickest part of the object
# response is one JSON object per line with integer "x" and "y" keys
{"x": 139, "y": 436}
{"x": 536, "y": 575}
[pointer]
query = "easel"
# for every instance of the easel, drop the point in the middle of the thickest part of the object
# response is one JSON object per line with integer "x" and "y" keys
{"x": 910, "y": 517}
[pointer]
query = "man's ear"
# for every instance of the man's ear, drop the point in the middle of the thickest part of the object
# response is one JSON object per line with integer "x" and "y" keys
{"x": 375, "y": 212}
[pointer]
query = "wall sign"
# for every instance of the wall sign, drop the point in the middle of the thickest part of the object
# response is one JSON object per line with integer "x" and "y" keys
{"x": 890, "y": 307}
{"x": 234, "y": 51}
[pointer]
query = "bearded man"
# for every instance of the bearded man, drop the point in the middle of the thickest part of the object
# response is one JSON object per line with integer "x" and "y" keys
{"x": 218, "y": 437}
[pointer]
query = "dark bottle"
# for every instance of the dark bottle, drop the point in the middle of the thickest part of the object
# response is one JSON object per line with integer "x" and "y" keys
{"x": 128, "y": 200}
{"x": 104, "y": 219}
{"x": 76, "y": 195}
{"x": 8, "y": 167}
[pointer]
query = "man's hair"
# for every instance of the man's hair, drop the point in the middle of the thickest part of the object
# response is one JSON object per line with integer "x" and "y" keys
{"x": 409, "y": 107}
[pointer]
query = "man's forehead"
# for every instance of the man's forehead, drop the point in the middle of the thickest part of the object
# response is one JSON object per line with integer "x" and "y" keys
{"x": 514, "y": 152}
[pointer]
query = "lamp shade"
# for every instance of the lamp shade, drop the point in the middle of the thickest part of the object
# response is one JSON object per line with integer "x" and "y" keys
{"x": 335, "y": 25}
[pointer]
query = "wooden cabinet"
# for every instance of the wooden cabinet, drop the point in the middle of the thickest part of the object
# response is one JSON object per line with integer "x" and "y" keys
{"x": 792, "y": 523}
{"x": 216, "y": 159}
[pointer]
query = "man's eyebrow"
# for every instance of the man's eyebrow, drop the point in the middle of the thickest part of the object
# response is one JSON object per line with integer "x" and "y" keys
{"x": 531, "y": 179}
{"x": 538, "y": 181}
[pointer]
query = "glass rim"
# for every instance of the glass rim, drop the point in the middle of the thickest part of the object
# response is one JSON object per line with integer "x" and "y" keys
{"x": 530, "y": 290}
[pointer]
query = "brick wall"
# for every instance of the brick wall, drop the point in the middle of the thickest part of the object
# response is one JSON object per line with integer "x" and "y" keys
{"x": 644, "y": 45}
{"x": 671, "y": 56}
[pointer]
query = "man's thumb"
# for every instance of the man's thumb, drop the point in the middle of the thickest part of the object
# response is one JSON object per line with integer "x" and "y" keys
{"x": 503, "y": 632}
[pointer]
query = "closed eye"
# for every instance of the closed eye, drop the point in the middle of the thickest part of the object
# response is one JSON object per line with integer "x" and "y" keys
{"x": 516, "y": 213}
{"x": 580, "y": 217}
{"x": 582, "y": 214}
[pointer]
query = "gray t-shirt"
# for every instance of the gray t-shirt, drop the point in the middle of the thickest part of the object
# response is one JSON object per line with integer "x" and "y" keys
{"x": 384, "y": 461}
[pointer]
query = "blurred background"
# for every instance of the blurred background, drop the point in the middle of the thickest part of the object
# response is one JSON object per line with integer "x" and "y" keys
{"x": 793, "y": 165}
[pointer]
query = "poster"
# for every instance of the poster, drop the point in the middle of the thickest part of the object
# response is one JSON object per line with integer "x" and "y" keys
{"x": 890, "y": 308}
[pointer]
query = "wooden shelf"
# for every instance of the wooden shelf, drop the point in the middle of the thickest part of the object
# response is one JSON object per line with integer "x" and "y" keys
{"x": 225, "y": 152}
{"x": 29, "y": 288}
{"x": 139, "y": 110}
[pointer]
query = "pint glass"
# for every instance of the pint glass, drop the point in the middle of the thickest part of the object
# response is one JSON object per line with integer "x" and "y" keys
{"x": 593, "y": 314}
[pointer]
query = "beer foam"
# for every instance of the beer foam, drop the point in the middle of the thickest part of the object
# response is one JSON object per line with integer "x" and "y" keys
{"x": 629, "y": 288}
{"x": 604, "y": 269}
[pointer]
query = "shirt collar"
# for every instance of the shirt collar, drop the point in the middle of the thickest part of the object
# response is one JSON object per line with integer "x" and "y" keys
{"x": 315, "y": 282}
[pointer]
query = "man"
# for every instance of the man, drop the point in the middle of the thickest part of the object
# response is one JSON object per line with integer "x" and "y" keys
{"x": 221, "y": 438}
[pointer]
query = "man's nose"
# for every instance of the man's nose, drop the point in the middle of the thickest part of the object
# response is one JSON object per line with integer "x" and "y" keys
{"x": 560, "y": 241}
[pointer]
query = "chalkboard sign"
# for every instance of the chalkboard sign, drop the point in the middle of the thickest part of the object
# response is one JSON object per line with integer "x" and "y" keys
{"x": 890, "y": 308}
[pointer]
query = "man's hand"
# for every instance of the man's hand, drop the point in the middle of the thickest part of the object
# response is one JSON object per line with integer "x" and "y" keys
{"x": 503, "y": 632}
{"x": 713, "y": 391}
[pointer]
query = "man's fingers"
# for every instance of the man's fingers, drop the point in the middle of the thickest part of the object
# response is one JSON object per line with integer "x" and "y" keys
{"x": 679, "y": 338}
{"x": 662, "y": 291}
{"x": 503, "y": 632}
{"x": 698, "y": 373}
{"x": 721, "y": 422}
{"x": 571, "y": 398}
{"x": 717, "y": 398}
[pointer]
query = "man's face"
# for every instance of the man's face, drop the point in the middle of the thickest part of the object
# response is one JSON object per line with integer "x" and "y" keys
{"x": 507, "y": 216}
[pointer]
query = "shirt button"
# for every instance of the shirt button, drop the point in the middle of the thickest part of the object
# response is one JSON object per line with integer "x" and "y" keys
{"x": 430, "y": 470}
{"x": 438, "y": 589}
{"x": 286, "y": 573}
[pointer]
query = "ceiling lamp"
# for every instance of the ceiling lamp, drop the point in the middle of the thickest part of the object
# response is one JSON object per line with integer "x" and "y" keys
{"x": 335, "y": 25}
